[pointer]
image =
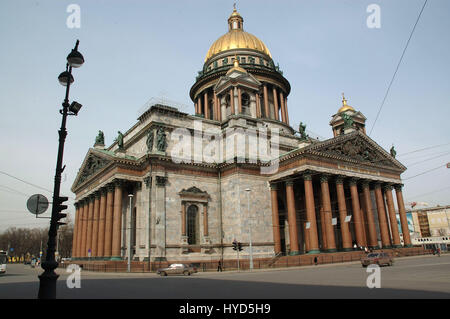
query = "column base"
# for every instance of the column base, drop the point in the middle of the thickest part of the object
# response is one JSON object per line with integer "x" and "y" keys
{"x": 294, "y": 253}
{"x": 386, "y": 247}
{"x": 116, "y": 258}
{"x": 333, "y": 250}
{"x": 347, "y": 249}
{"x": 312, "y": 252}
{"x": 397, "y": 246}
{"x": 408, "y": 246}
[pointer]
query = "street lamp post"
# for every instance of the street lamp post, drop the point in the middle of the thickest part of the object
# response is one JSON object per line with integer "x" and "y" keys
{"x": 47, "y": 280}
{"x": 248, "y": 190}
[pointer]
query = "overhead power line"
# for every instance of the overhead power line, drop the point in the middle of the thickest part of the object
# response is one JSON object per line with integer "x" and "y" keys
{"x": 398, "y": 65}
{"x": 433, "y": 169}
{"x": 423, "y": 149}
{"x": 21, "y": 180}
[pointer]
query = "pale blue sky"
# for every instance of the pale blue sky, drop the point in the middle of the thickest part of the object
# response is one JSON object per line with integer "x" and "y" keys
{"x": 136, "y": 50}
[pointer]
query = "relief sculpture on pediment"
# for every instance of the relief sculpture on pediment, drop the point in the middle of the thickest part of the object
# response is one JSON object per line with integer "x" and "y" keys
{"x": 358, "y": 150}
{"x": 93, "y": 164}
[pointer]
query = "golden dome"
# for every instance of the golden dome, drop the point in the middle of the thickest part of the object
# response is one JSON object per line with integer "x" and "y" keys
{"x": 236, "y": 38}
{"x": 344, "y": 106}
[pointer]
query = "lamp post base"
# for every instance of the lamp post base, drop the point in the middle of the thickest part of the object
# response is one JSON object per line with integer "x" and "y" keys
{"x": 47, "y": 285}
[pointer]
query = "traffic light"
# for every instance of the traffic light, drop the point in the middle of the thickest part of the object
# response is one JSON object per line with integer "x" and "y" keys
{"x": 60, "y": 207}
{"x": 239, "y": 246}
{"x": 235, "y": 245}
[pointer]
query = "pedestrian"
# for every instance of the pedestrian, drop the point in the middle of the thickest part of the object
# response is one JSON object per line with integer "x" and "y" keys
{"x": 219, "y": 266}
{"x": 315, "y": 260}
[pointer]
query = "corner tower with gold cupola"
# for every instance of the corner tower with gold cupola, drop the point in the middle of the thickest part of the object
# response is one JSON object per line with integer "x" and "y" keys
{"x": 239, "y": 79}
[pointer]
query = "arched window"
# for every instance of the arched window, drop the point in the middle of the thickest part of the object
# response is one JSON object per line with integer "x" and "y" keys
{"x": 192, "y": 222}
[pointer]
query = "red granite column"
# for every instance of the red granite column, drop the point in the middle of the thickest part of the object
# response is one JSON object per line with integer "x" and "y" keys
{"x": 80, "y": 229}
{"x": 324, "y": 245}
{"x": 345, "y": 231}
{"x": 292, "y": 218}
{"x": 286, "y": 110}
{"x": 283, "y": 111}
{"x": 232, "y": 101}
{"x": 275, "y": 218}
{"x": 403, "y": 219}
{"x": 258, "y": 106}
{"x": 117, "y": 222}
{"x": 328, "y": 214}
{"x": 266, "y": 101}
{"x": 311, "y": 214}
{"x": 384, "y": 230}
{"x": 275, "y": 104}
{"x": 101, "y": 224}
{"x": 95, "y": 224}
{"x": 83, "y": 250}
{"x": 392, "y": 216}
{"x": 205, "y": 99}
{"x": 239, "y": 101}
{"x": 372, "y": 240}
{"x": 75, "y": 230}
{"x": 109, "y": 220}
{"x": 357, "y": 220}
{"x": 90, "y": 225}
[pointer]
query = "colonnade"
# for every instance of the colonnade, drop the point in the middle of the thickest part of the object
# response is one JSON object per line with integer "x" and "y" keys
{"x": 98, "y": 223}
{"x": 279, "y": 112}
{"x": 362, "y": 218}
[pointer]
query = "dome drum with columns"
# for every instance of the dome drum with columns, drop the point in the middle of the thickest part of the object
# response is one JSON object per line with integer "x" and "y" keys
{"x": 241, "y": 51}
{"x": 323, "y": 196}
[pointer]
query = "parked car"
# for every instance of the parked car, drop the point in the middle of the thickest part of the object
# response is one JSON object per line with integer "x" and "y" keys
{"x": 177, "y": 269}
{"x": 377, "y": 258}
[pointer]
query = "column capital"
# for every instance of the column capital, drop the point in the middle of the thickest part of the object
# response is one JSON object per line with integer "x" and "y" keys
{"x": 148, "y": 181}
{"x": 161, "y": 180}
{"x": 340, "y": 179}
{"x": 377, "y": 184}
{"x": 290, "y": 182}
{"x": 365, "y": 183}
{"x": 77, "y": 205}
{"x": 387, "y": 187}
{"x": 324, "y": 178}
{"x": 97, "y": 194}
{"x": 110, "y": 187}
{"x": 119, "y": 182}
{"x": 307, "y": 176}
{"x": 91, "y": 198}
{"x": 398, "y": 187}
{"x": 102, "y": 191}
{"x": 274, "y": 186}
{"x": 354, "y": 181}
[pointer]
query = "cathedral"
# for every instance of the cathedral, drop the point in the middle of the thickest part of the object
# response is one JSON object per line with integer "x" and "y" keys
{"x": 184, "y": 187}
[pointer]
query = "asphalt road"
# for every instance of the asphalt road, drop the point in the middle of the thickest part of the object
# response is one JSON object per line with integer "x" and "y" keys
{"x": 410, "y": 277}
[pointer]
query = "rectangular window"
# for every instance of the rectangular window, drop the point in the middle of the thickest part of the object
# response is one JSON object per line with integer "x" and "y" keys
{"x": 225, "y": 61}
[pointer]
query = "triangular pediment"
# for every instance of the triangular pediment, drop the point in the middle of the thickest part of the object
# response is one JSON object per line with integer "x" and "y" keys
{"x": 94, "y": 162}
{"x": 357, "y": 148}
{"x": 236, "y": 78}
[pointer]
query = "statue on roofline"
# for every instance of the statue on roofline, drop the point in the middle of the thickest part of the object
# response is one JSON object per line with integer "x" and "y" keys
{"x": 393, "y": 152}
{"x": 119, "y": 140}
{"x": 100, "y": 139}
